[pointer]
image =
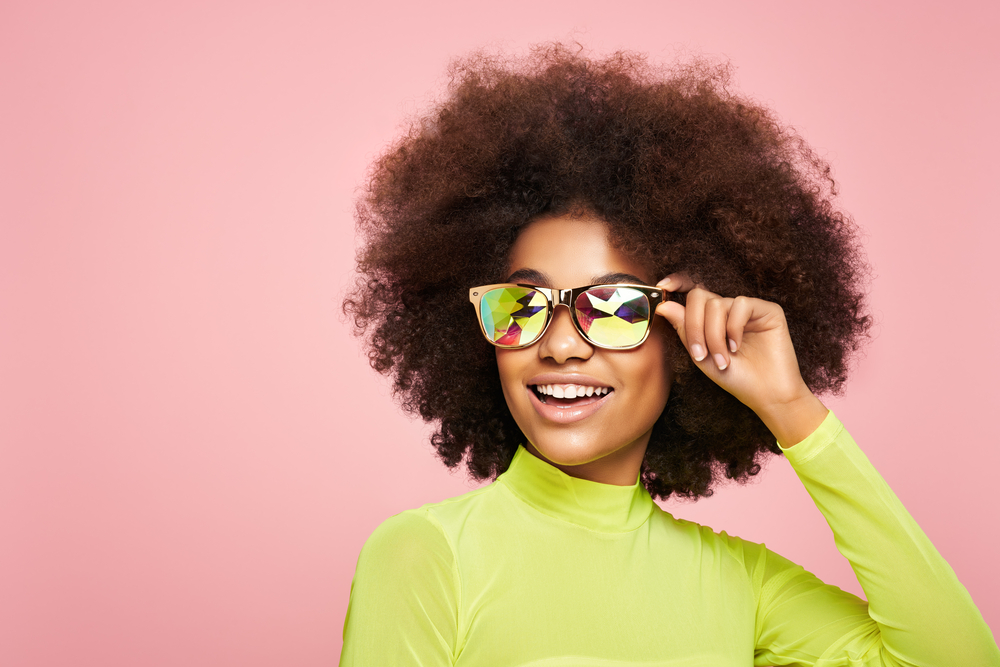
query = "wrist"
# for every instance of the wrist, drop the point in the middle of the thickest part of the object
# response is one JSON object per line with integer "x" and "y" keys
{"x": 794, "y": 420}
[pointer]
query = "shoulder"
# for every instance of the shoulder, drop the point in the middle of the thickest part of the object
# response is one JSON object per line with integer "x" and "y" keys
{"x": 712, "y": 544}
{"x": 407, "y": 553}
{"x": 749, "y": 566}
{"x": 416, "y": 536}
{"x": 406, "y": 532}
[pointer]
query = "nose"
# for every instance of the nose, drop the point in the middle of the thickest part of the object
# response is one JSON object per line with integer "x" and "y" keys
{"x": 562, "y": 341}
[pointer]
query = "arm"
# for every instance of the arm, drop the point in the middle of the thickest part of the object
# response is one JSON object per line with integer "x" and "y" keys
{"x": 404, "y": 597}
{"x": 918, "y": 612}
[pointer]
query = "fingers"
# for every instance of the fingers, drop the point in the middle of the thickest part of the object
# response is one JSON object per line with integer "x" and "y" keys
{"x": 717, "y": 312}
{"x": 709, "y": 326}
{"x": 705, "y": 326}
{"x": 702, "y": 324}
{"x": 677, "y": 282}
{"x": 740, "y": 313}
{"x": 694, "y": 323}
{"x": 673, "y": 312}
{"x": 704, "y": 319}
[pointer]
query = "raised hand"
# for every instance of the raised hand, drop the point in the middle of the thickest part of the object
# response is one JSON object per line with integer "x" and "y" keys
{"x": 743, "y": 345}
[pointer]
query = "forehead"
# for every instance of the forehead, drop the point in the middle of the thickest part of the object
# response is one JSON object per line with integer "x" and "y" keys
{"x": 571, "y": 251}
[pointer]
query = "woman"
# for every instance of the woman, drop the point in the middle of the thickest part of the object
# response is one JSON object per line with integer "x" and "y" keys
{"x": 712, "y": 291}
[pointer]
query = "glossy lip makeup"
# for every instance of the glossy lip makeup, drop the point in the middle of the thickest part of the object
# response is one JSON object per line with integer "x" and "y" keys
{"x": 559, "y": 398}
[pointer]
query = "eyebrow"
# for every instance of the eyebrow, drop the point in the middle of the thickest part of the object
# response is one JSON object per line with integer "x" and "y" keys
{"x": 533, "y": 277}
{"x": 610, "y": 278}
{"x": 529, "y": 276}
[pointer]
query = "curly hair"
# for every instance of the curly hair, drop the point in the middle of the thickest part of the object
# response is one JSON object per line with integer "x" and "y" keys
{"x": 688, "y": 175}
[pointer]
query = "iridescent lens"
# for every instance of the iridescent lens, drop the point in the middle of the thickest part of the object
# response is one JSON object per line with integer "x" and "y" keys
{"x": 513, "y": 315}
{"x": 613, "y": 316}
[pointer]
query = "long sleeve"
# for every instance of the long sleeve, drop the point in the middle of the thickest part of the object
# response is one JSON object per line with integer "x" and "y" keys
{"x": 918, "y": 613}
{"x": 404, "y": 597}
{"x": 540, "y": 568}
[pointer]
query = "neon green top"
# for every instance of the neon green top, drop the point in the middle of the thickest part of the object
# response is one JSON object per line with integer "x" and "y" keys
{"x": 543, "y": 569}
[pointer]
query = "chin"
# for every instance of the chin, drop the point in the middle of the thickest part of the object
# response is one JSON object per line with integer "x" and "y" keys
{"x": 574, "y": 453}
{"x": 564, "y": 456}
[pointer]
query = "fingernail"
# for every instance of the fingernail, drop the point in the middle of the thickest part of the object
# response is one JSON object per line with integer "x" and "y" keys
{"x": 698, "y": 351}
{"x": 663, "y": 283}
{"x": 732, "y": 345}
{"x": 720, "y": 361}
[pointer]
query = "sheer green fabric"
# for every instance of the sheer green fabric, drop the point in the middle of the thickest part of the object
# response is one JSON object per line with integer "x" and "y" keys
{"x": 543, "y": 569}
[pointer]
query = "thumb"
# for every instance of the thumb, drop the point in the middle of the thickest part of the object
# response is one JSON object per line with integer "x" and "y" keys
{"x": 673, "y": 312}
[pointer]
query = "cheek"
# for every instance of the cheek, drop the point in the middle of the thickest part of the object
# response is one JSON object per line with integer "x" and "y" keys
{"x": 656, "y": 373}
{"x": 509, "y": 365}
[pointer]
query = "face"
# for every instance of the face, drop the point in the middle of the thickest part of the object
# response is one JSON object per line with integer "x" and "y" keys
{"x": 601, "y": 435}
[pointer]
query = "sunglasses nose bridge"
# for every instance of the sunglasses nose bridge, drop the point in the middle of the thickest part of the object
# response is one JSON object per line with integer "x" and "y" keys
{"x": 562, "y": 297}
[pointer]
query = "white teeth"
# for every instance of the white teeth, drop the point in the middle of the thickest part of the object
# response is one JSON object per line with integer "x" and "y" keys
{"x": 571, "y": 390}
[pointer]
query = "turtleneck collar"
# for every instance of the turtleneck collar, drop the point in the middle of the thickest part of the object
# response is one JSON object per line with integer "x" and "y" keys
{"x": 604, "y": 508}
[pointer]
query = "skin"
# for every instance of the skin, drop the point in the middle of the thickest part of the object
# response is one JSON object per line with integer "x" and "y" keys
{"x": 740, "y": 343}
{"x": 607, "y": 446}
{"x": 743, "y": 345}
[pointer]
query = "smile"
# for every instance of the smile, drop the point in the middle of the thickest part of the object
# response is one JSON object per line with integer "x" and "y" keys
{"x": 567, "y": 403}
{"x": 575, "y": 403}
{"x": 569, "y": 392}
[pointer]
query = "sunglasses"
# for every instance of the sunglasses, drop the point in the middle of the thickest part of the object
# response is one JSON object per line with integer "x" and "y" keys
{"x": 615, "y": 317}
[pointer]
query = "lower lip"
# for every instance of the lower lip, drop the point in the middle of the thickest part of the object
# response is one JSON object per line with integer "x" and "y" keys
{"x": 566, "y": 415}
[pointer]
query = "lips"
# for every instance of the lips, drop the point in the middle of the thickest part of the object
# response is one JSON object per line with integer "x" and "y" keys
{"x": 567, "y": 402}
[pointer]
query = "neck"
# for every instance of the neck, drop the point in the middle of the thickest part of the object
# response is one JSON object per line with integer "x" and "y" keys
{"x": 605, "y": 508}
{"x": 619, "y": 468}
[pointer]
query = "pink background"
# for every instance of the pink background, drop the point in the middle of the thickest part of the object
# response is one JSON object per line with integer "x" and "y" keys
{"x": 192, "y": 447}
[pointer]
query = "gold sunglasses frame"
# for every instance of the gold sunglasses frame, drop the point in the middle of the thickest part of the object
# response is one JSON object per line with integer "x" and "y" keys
{"x": 566, "y": 297}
